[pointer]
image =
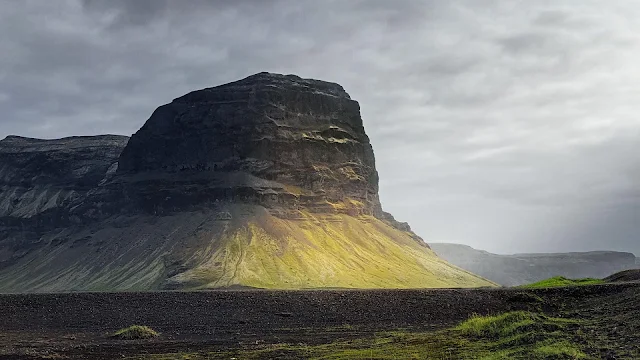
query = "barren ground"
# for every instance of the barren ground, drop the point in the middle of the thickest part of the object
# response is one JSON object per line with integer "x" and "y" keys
{"x": 76, "y": 325}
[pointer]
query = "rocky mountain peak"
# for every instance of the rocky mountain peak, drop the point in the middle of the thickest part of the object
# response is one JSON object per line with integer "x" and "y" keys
{"x": 292, "y": 82}
{"x": 280, "y": 141}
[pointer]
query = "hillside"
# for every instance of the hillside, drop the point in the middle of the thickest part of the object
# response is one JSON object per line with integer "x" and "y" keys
{"x": 266, "y": 182}
{"x": 520, "y": 269}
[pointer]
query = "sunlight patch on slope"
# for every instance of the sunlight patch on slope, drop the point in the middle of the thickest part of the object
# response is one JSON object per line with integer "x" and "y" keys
{"x": 345, "y": 252}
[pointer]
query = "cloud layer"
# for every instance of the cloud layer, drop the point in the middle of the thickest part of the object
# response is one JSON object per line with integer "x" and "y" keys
{"x": 509, "y": 126}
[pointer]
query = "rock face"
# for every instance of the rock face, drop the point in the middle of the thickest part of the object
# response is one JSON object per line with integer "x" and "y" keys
{"x": 41, "y": 179}
{"x": 40, "y": 175}
{"x": 269, "y": 181}
{"x": 520, "y": 269}
{"x": 287, "y": 140}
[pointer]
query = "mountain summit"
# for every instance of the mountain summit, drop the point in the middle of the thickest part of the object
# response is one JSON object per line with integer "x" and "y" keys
{"x": 267, "y": 182}
{"x": 282, "y": 142}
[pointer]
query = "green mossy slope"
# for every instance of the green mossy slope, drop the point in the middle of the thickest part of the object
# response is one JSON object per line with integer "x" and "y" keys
{"x": 560, "y": 281}
{"x": 199, "y": 250}
{"x": 337, "y": 252}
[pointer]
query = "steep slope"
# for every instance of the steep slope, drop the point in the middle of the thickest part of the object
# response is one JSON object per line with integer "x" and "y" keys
{"x": 520, "y": 269}
{"x": 265, "y": 182}
{"x": 40, "y": 179}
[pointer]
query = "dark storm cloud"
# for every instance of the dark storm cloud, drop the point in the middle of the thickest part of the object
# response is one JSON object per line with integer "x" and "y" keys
{"x": 511, "y": 126}
{"x": 135, "y": 13}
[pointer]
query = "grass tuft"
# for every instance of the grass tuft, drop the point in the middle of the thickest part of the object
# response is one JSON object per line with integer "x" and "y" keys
{"x": 497, "y": 326}
{"x": 558, "y": 350}
{"x": 521, "y": 334}
{"x": 135, "y": 332}
{"x": 560, "y": 281}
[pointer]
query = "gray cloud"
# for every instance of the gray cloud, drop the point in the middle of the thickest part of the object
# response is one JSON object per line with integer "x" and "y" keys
{"x": 510, "y": 126}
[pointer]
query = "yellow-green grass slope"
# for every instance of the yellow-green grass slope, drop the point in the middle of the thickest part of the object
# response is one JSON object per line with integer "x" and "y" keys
{"x": 199, "y": 250}
{"x": 322, "y": 252}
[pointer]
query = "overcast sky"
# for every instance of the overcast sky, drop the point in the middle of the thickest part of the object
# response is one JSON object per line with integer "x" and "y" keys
{"x": 511, "y": 126}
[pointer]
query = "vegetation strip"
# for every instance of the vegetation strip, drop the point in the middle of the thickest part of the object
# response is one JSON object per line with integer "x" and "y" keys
{"x": 560, "y": 281}
{"x": 512, "y": 335}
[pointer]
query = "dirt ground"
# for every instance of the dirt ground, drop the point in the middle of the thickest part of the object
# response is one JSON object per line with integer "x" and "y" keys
{"x": 77, "y": 325}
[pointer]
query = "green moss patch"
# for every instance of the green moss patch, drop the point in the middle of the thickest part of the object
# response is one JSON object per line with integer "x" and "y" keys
{"x": 521, "y": 334}
{"x": 560, "y": 281}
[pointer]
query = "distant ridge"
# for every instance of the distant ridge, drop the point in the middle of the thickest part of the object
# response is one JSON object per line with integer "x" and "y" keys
{"x": 520, "y": 269}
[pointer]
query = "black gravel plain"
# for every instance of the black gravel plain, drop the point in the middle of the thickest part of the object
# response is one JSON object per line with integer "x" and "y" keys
{"x": 76, "y": 325}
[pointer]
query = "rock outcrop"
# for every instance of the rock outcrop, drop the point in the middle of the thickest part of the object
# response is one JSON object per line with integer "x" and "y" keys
{"x": 520, "y": 269}
{"x": 40, "y": 180}
{"x": 40, "y": 175}
{"x": 265, "y": 139}
{"x": 269, "y": 181}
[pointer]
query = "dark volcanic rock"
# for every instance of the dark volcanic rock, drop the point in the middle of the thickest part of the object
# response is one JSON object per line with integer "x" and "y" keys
{"x": 624, "y": 276}
{"x": 38, "y": 175}
{"x": 279, "y": 141}
{"x": 40, "y": 180}
{"x": 275, "y": 140}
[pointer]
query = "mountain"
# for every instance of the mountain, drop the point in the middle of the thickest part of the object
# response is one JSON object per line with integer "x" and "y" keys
{"x": 266, "y": 182}
{"x": 519, "y": 269}
{"x": 41, "y": 179}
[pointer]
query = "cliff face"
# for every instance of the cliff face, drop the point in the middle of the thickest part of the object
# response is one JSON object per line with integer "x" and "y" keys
{"x": 269, "y": 181}
{"x": 41, "y": 179}
{"x": 520, "y": 269}
{"x": 40, "y": 175}
{"x": 265, "y": 139}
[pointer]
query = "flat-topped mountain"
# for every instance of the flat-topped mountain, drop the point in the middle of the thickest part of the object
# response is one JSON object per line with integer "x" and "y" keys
{"x": 265, "y": 182}
{"x": 520, "y": 269}
{"x": 279, "y": 141}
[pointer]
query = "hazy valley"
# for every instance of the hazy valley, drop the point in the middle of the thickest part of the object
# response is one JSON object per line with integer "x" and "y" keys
{"x": 520, "y": 269}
